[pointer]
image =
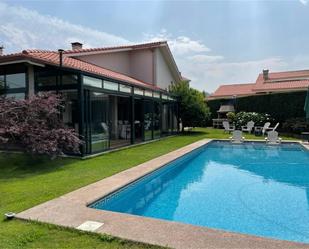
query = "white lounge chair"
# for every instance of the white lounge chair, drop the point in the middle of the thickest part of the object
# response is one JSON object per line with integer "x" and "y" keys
{"x": 227, "y": 127}
{"x": 237, "y": 137}
{"x": 272, "y": 138}
{"x": 248, "y": 128}
{"x": 265, "y": 127}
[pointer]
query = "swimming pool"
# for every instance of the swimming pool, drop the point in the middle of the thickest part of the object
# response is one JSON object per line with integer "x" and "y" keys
{"x": 250, "y": 188}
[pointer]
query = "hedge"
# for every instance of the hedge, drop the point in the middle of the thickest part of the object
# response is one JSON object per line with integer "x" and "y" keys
{"x": 280, "y": 106}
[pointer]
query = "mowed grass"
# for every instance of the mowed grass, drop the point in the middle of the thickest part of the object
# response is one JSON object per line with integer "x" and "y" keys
{"x": 26, "y": 182}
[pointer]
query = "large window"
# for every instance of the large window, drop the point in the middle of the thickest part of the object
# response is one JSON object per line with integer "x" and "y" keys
{"x": 12, "y": 78}
{"x": 148, "y": 109}
{"x": 16, "y": 80}
{"x": 13, "y": 81}
{"x": 51, "y": 77}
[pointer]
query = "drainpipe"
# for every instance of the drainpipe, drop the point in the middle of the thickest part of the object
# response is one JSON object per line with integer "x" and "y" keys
{"x": 60, "y": 51}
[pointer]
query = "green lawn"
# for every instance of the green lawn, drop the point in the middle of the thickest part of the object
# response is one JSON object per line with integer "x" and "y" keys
{"x": 25, "y": 182}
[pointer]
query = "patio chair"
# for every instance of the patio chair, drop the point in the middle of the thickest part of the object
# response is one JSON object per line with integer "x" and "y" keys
{"x": 272, "y": 128}
{"x": 237, "y": 137}
{"x": 227, "y": 127}
{"x": 272, "y": 138}
{"x": 248, "y": 128}
{"x": 265, "y": 127}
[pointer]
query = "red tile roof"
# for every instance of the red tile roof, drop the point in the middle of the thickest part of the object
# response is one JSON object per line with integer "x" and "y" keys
{"x": 276, "y": 82}
{"x": 52, "y": 58}
{"x": 232, "y": 90}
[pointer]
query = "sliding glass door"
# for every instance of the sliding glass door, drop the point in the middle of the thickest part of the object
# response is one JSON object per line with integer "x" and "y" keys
{"x": 156, "y": 120}
{"x": 120, "y": 119}
{"x": 148, "y": 118}
{"x": 96, "y": 128}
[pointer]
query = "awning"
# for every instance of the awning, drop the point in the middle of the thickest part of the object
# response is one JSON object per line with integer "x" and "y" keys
{"x": 226, "y": 108}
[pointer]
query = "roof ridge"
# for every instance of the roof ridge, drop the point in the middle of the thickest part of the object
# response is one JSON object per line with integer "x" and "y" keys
{"x": 71, "y": 51}
{"x": 291, "y": 71}
{"x": 237, "y": 84}
{"x": 29, "y": 51}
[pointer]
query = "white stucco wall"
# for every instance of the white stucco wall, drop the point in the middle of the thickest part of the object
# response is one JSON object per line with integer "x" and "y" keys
{"x": 163, "y": 74}
{"x": 146, "y": 65}
{"x": 141, "y": 62}
{"x": 119, "y": 62}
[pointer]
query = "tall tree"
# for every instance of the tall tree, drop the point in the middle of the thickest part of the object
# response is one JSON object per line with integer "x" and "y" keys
{"x": 35, "y": 125}
{"x": 193, "y": 110}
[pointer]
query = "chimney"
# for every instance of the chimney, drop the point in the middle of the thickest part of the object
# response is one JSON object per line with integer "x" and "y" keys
{"x": 1, "y": 50}
{"x": 265, "y": 74}
{"x": 76, "y": 45}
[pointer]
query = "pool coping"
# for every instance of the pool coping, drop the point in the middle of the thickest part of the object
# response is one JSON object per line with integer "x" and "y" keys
{"x": 70, "y": 210}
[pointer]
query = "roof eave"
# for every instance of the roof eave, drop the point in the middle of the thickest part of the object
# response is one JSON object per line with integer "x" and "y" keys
{"x": 172, "y": 63}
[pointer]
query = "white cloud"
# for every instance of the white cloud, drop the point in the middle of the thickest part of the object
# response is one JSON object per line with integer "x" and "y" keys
{"x": 304, "y": 2}
{"x": 22, "y": 28}
{"x": 202, "y": 58}
{"x": 180, "y": 45}
{"x": 210, "y": 74}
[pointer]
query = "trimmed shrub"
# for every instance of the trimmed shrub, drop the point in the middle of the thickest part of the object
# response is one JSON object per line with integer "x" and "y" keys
{"x": 280, "y": 106}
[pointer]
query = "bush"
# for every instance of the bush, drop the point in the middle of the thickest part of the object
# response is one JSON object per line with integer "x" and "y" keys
{"x": 259, "y": 119}
{"x": 231, "y": 116}
{"x": 35, "y": 125}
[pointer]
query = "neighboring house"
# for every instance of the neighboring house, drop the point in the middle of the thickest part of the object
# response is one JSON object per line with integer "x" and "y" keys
{"x": 115, "y": 96}
{"x": 266, "y": 83}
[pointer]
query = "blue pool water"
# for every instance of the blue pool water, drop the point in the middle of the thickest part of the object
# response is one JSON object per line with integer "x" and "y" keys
{"x": 251, "y": 188}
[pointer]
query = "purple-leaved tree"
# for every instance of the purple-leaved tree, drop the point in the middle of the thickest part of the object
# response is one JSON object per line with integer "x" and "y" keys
{"x": 34, "y": 124}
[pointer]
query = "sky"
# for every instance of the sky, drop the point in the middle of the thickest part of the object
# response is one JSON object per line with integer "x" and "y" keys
{"x": 213, "y": 42}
